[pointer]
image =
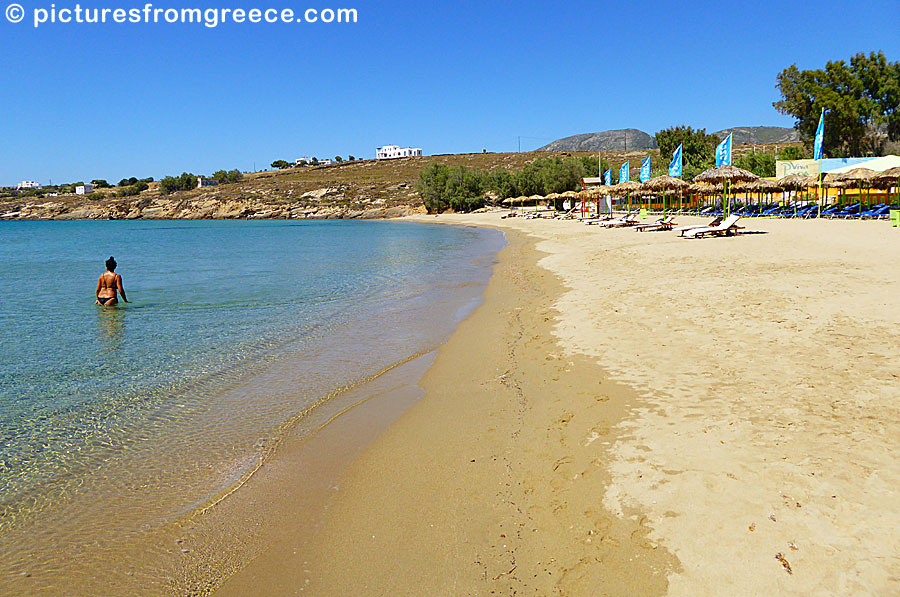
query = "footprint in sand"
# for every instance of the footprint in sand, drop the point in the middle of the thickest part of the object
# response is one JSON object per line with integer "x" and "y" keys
{"x": 595, "y": 434}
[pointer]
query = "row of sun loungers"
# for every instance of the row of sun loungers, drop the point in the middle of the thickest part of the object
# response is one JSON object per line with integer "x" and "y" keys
{"x": 717, "y": 227}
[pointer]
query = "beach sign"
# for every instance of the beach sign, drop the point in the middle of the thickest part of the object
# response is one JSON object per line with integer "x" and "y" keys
{"x": 820, "y": 136}
{"x": 676, "y": 163}
{"x": 607, "y": 178}
{"x": 723, "y": 152}
{"x": 623, "y": 172}
{"x": 645, "y": 169}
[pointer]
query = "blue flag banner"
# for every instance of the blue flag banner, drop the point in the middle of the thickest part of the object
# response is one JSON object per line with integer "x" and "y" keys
{"x": 645, "y": 169}
{"x": 723, "y": 152}
{"x": 820, "y": 136}
{"x": 623, "y": 172}
{"x": 676, "y": 163}
{"x": 607, "y": 178}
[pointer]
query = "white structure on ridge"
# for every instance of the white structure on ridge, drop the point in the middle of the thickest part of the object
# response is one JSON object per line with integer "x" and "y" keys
{"x": 84, "y": 189}
{"x": 28, "y": 184}
{"x": 389, "y": 152}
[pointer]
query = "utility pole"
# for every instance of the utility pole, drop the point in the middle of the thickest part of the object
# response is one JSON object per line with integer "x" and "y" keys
{"x": 520, "y": 143}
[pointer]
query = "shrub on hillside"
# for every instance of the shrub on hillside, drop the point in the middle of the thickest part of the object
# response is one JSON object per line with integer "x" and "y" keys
{"x": 171, "y": 184}
{"x": 135, "y": 189}
{"x": 228, "y": 176}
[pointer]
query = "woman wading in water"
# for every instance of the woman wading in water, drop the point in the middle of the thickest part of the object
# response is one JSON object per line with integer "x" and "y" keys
{"x": 108, "y": 285}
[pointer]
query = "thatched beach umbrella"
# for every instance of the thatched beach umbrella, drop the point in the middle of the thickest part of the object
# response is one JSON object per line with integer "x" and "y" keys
{"x": 861, "y": 176}
{"x": 796, "y": 181}
{"x": 701, "y": 189}
{"x": 662, "y": 184}
{"x": 887, "y": 179}
{"x": 726, "y": 174}
{"x": 552, "y": 197}
{"x": 627, "y": 187}
{"x": 761, "y": 186}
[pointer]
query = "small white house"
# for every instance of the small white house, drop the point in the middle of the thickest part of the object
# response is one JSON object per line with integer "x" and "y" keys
{"x": 84, "y": 189}
{"x": 206, "y": 182}
{"x": 28, "y": 184}
{"x": 389, "y": 152}
{"x": 305, "y": 158}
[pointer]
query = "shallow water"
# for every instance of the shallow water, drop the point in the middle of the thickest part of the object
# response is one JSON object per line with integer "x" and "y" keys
{"x": 118, "y": 420}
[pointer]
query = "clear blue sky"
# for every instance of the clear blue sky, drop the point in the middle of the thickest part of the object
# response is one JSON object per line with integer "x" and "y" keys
{"x": 110, "y": 101}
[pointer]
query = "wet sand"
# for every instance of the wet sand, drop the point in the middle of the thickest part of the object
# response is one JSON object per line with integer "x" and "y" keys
{"x": 638, "y": 414}
{"x": 492, "y": 482}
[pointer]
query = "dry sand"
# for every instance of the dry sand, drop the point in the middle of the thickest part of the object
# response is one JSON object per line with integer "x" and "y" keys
{"x": 636, "y": 413}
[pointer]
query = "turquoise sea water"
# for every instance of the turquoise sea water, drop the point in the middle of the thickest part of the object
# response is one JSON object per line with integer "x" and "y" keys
{"x": 120, "y": 418}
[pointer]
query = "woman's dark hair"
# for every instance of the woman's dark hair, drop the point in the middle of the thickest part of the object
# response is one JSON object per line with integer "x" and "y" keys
{"x": 111, "y": 264}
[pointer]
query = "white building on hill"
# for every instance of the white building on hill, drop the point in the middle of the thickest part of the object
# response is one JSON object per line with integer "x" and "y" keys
{"x": 85, "y": 189}
{"x": 389, "y": 152}
{"x": 28, "y": 184}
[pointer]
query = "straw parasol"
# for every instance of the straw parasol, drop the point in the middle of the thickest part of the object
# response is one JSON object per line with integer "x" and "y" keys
{"x": 625, "y": 188}
{"x": 855, "y": 175}
{"x": 887, "y": 178}
{"x": 796, "y": 182}
{"x": 663, "y": 183}
{"x": 702, "y": 189}
{"x": 861, "y": 176}
{"x": 764, "y": 185}
{"x": 725, "y": 173}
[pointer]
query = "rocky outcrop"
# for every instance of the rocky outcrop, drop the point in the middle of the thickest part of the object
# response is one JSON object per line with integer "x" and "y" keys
{"x": 322, "y": 203}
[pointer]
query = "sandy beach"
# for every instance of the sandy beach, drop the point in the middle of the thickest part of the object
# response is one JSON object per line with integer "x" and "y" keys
{"x": 637, "y": 414}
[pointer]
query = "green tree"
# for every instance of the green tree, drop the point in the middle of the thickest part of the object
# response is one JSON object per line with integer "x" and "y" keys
{"x": 459, "y": 188}
{"x": 228, "y": 176}
{"x": 99, "y": 183}
{"x": 697, "y": 152}
{"x": 861, "y": 100}
{"x": 135, "y": 189}
{"x": 125, "y": 182}
{"x": 792, "y": 152}
{"x": 758, "y": 162}
{"x": 351, "y": 158}
{"x": 338, "y": 159}
{"x": 171, "y": 184}
{"x": 431, "y": 186}
{"x": 281, "y": 164}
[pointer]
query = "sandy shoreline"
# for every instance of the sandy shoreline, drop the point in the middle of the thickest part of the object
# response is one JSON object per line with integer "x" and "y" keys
{"x": 639, "y": 414}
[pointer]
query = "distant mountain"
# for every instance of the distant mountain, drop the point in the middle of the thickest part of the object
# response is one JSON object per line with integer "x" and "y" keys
{"x": 622, "y": 139}
{"x": 757, "y": 135}
{"x": 618, "y": 140}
